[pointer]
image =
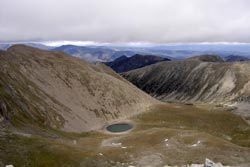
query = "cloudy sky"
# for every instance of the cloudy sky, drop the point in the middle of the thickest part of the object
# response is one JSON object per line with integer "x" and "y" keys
{"x": 155, "y": 21}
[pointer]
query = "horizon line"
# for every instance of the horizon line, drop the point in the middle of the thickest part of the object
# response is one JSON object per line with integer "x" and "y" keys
{"x": 56, "y": 43}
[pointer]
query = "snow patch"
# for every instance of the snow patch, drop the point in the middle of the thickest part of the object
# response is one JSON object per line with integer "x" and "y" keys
{"x": 116, "y": 144}
{"x": 196, "y": 144}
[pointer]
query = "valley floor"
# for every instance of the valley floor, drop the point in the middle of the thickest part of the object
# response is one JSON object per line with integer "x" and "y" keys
{"x": 168, "y": 134}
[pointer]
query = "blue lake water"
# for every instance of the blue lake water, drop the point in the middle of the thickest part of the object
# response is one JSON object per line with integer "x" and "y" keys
{"x": 119, "y": 127}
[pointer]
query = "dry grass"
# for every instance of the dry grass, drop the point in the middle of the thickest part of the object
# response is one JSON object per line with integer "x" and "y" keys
{"x": 215, "y": 122}
{"x": 183, "y": 126}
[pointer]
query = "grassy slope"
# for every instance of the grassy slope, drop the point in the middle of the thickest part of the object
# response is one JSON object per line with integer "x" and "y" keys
{"x": 182, "y": 125}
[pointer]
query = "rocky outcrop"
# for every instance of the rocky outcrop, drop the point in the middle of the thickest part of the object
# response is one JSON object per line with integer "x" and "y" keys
{"x": 49, "y": 88}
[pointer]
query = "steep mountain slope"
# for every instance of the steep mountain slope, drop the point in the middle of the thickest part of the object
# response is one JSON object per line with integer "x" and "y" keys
{"x": 54, "y": 89}
{"x": 235, "y": 58}
{"x": 193, "y": 80}
{"x": 123, "y": 64}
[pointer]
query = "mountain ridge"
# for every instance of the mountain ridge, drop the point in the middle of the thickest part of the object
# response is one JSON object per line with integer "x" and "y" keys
{"x": 207, "y": 58}
{"x": 192, "y": 80}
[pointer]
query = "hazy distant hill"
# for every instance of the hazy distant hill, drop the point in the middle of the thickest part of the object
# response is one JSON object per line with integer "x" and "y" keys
{"x": 93, "y": 54}
{"x": 5, "y": 46}
{"x": 123, "y": 64}
{"x": 235, "y": 58}
{"x": 181, "y": 51}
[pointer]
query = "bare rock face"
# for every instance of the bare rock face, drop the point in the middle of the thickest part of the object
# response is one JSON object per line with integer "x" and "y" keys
{"x": 199, "y": 79}
{"x": 51, "y": 88}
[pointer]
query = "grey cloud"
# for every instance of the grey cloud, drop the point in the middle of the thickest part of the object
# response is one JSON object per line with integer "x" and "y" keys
{"x": 158, "y": 21}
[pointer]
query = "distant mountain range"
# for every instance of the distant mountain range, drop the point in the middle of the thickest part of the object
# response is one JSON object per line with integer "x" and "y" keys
{"x": 124, "y": 63}
{"x": 94, "y": 54}
{"x": 109, "y": 53}
{"x": 5, "y": 46}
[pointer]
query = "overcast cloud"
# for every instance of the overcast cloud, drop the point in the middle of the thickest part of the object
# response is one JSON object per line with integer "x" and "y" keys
{"x": 156, "y": 21}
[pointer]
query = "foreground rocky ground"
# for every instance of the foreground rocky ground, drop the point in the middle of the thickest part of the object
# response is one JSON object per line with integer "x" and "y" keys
{"x": 169, "y": 134}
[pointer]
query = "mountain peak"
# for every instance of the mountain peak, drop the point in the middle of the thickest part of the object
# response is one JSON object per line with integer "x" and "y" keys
{"x": 123, "y": 64}
{"x": 19, "y": 47}
{"x": 121, "y": 58}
